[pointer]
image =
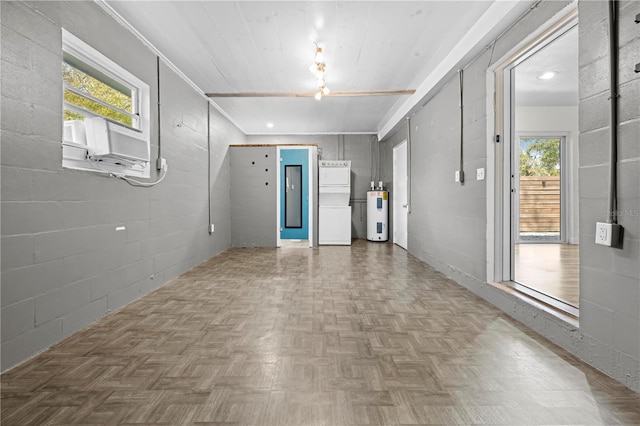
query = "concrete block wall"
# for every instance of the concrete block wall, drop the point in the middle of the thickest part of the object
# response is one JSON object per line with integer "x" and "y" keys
{"x": 64, "y": 264}
{"x": 447, "y": 224}
{"x": 356, "y": 148}
{"x": 610, "y": 278}
{"x": 254, "y": 173}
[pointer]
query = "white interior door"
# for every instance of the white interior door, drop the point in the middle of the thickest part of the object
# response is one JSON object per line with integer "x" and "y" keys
{"x": 400, "y": 195}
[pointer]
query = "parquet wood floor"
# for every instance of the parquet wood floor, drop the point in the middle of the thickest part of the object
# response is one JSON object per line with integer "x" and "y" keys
{"x": 552, "y": 269}
{"x": 365, "y": 334}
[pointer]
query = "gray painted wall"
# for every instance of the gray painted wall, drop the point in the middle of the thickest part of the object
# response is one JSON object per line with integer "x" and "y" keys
{"x": 356, "y": 148}
{"x": 610, "y": 278}
{"x": 253, "y": 193}
{"x": 63, "y": 263}
{"x": 447, "y": 224}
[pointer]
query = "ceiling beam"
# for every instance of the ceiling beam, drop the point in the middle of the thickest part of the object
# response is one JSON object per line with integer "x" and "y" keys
{"x": 310, "y": 94}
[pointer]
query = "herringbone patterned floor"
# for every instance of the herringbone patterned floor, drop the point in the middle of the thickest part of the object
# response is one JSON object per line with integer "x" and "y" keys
{"x": 295, "y": 336}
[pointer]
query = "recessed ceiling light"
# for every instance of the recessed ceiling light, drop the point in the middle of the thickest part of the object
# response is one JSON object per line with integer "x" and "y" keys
{"x": 547, "y": 75}
{"x": 270, "y": 125}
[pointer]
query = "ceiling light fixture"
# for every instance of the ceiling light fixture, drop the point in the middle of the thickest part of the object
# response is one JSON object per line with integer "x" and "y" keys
{"x": 318, "y": 68}
{"x": 547, "y": 75}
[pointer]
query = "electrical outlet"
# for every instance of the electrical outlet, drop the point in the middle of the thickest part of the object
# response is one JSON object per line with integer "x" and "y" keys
{"x": 211, "y": 228}
{"x": 602, "y": 233}
{"x": 608, "y": 234}
{"x": 480, "y": 174}
{"x": 457, "y": 176}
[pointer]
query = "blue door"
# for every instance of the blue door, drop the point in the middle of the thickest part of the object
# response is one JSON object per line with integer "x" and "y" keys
{"x": 294, "y": 194}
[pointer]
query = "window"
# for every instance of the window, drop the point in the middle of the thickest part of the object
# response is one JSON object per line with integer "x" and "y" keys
{"x": 102, "y": 96}
{"x": 106, "y": 113}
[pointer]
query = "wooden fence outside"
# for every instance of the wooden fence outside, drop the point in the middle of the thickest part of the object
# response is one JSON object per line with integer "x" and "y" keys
{"x": 539, "y": 203}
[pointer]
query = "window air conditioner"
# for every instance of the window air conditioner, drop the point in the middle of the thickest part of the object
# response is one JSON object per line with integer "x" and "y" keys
{"x": 114, "y": 144}
{"x": 74, "y": 132}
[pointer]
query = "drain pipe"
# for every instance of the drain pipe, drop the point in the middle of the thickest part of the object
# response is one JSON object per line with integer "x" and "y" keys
{"x": 613, "y": 72}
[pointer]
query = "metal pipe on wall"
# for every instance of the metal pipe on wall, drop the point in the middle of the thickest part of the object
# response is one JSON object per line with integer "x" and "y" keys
{"x": 613, "y": 71}
{"x": 461, "y": 127}
{"x": 377, "y": 142}
{"x": 158, "y": 162}
{"x": 209, "y": 164}
{"x": 340, "y": 148}
{"x": 409, "y": 165}
{"x": 343, "y": 148}
{"x": 374, "y": 159}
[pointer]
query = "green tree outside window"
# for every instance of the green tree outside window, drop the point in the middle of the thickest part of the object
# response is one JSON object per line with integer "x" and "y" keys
{"x": 539, "y": 156}
{"x": 98, "y": 89}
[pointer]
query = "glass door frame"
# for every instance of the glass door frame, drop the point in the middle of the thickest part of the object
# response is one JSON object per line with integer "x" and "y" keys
{"x": 515, "y": 195}
{"x": 505, "y": 117}
{"x": 501, "y": 133}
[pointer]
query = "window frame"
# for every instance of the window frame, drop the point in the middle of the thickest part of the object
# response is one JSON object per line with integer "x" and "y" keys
{"x": 75, "y": 156}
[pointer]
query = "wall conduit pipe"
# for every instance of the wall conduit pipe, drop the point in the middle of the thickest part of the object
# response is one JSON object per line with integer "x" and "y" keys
{"x": 209, "y": 164}
{"x": 613, "y": 75}
{"x": 159, "y": 160}
{"x": 408, "y": 165}
{"x": 461, "y": 73}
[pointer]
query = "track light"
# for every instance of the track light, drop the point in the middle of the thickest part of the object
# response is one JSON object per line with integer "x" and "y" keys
{"x": 318, "y": 68}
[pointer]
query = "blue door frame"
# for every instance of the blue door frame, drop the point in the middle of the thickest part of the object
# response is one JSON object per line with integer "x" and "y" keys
{"x": 294, "y": 157}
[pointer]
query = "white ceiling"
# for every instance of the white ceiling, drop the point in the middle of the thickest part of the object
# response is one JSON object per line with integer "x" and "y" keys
{"x": 560, "y": 57}
{"x": 267, "y": 47}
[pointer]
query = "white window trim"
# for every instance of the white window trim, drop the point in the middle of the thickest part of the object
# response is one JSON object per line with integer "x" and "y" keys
{"x": 76, "y": 156}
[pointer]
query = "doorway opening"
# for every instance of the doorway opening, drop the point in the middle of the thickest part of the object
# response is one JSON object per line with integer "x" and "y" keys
{"x": 293, "y": 196}
{"x": 537, "y": 169}
{"x": 539, "y": 195}
{"x": 296, "y": 203}
{"x": 543, "y": 259}
{"x": 400, "y": 195}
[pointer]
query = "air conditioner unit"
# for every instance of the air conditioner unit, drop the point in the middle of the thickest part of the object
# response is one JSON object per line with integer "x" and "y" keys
{"x": 114, "y": 144}
{"x": 74, "y": 132}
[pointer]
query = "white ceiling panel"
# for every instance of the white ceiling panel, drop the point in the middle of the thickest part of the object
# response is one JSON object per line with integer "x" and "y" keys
{"x": 267, "y": 47}
{"x": 559, "y": 57}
